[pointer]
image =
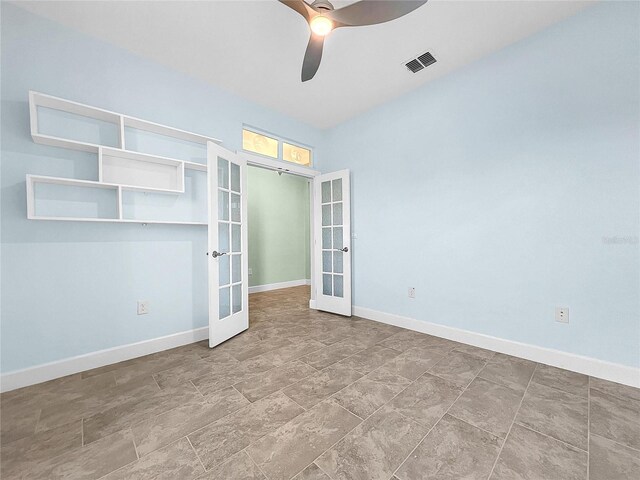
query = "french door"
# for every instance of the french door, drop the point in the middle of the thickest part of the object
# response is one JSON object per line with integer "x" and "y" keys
{"x": 227, "y": 244}
{"x": 332, "y": 232}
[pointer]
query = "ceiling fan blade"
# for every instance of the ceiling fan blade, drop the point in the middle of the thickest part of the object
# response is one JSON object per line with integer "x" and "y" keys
{"x": 301, "y": 7}
{"x": 371, "y": 12}
{"x": 312, "y": 57}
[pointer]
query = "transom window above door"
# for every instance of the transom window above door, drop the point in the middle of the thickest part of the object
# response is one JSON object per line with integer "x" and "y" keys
{"x": 275, "y": 147}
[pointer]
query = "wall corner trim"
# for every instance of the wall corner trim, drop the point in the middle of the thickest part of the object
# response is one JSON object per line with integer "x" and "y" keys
{"x": 68, "y": 366}
{"x": 614, "y": 372}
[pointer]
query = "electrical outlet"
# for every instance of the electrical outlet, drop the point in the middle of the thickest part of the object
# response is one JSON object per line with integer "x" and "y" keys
{"x": 562, "y": 314}
{"x": 143, "y": 307}
{"x": 250, "y": 272}
{"x": 412, "y": 292}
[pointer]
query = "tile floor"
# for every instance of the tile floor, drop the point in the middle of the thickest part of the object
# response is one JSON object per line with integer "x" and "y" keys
{"x": 313, "y": 396}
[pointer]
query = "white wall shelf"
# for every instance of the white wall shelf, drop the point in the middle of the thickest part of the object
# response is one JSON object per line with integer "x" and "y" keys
{"x": 119, "y": 169}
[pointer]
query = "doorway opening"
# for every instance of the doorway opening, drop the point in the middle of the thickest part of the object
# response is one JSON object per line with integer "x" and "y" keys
{"x": 279, "y": 236}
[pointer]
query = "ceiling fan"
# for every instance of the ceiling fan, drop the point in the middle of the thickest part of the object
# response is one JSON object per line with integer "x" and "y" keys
{"x": 323, "y": 18}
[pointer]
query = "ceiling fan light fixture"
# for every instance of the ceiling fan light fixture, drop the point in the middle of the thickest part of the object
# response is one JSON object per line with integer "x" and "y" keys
{"x": 321, "y": 25}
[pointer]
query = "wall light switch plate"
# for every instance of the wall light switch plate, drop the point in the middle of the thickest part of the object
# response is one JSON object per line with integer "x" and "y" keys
{"x": 562, "y": 314}
{"x": 412, "y": 292}
{"x": 143, "y": 307}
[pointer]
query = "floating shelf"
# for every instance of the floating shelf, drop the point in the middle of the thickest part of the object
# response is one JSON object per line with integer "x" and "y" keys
{"x": 33, "y": 180}
{"x": 63, "y": 123}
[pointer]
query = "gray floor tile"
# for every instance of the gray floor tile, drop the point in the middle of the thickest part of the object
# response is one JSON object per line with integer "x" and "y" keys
{"x": 168, "y": 427}
{"x": 225, "y": 437}
{"x": 375, "y": 448}
{"x": 528, "y": 455}
{"x": 273, "y": 380}
{"x": 452, "y": 450}
{"x": 255, "y": 349}
{"x": 616, "y": 419}
{"x": 238, "y": 467}
{"x": 426, "y": 400}
{"x": 615, "y": 389}
{"x": 488, "y": 405}
{"x": 312, "y": 472}
{"x": 136, "y": 410}
{"x": 405, "y": 340}
{"x": 370, "y": 359}
{"x": 334, "y": 353}
{"x": 290, "y": 449}
{"x": 510, "y": 371}
{"x": 321, "y": 385}
{"x": 87, "y": 463}
{"x": 561, "y": 415}
{"x": 190, "y": 371}
{"x": 30, "y": 450}
{"x": 458, "y": 368}
{"x": 175, "y": 461}
{"x": 415, "y": 361}
{"x": 475, "y": 351}
{"x": 611, "y": 461}
{"x": 365, "y": 396}
{"x": 91, "y": 403}
{"x": 564, "y": 380}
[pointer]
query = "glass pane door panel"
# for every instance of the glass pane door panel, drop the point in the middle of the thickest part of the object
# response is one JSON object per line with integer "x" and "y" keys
{"x": 337, "y": 213}
{"x": 326, "y": 238}
{"x": 337, "y": 262}
{"x": 326, "y": 192}
{"x": 223, "y": 205}
{"x": 224, "y": 270}
{"x": 225, "y": 302}
{"x": 223, "y": 236}
{"x": 236, "y": 268}
{"x": 223, "y": 173}
{"x": 326, "y": 261}
{"x": 235, "y": 207}
{"x": 337, "y": 237}
{"x": 337, "y": 190}
{"x": 237, "y": 298}
{"x": 236, "y": 238}
{"x": 338, "y": 286}
{"x": 326, "y": 284}
{"x": 326, "y": 215}
{"x": 235, "y": 177}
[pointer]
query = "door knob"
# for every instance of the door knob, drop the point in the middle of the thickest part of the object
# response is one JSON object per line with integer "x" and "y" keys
{"x": 344, "y": 249}
{"x": 215, "y": 254}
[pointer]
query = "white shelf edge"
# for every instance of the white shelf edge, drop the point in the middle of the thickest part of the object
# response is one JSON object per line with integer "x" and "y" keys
{"x": 64, "y": 143}
{"x": 95, "y": 184}
{"x": 116, "y": 220}
{"x": 195, "y": 166}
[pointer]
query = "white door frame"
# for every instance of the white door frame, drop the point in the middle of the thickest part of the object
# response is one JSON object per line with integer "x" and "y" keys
{"x": 291, "y": 168}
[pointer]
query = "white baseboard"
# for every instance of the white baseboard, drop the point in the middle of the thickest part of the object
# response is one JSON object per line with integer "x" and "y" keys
{"x": 277, "y": 286}
{"x": 60, "y": 368}
{"x": 614, "y": 372}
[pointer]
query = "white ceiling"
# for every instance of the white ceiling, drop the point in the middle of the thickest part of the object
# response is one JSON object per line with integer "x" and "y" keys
{"x": 255, "y": 48}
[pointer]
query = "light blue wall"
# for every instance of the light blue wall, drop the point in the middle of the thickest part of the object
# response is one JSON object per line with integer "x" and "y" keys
{"x": 490, "y": 190}
{"x": 71, "y": 288}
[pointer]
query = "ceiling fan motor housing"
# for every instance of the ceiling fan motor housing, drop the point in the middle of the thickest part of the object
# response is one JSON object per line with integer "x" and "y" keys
{"x": 322, "y": 5}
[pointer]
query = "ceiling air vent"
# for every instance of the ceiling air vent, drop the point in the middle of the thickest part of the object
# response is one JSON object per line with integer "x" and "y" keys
{"x": 421, "y": 62}
{"x": 414, "y": 65}
{"x": 426, "y": 59}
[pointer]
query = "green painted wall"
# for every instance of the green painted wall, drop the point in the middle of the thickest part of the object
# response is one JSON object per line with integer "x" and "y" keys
{"x": 278, "y": 227}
